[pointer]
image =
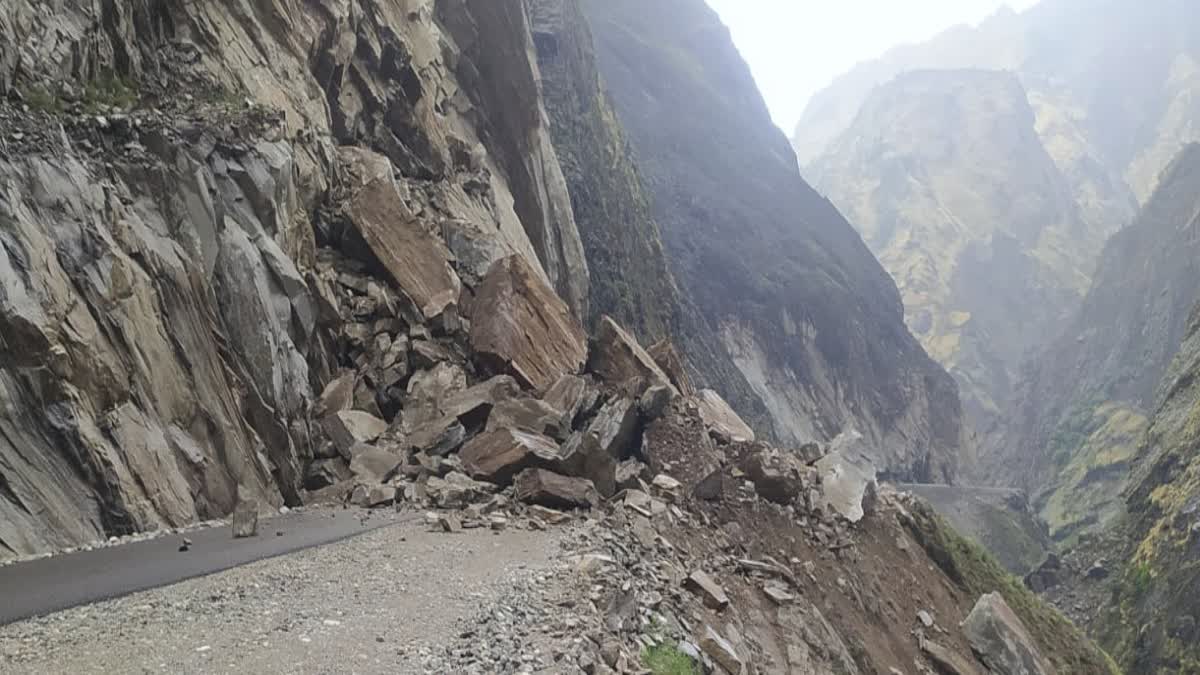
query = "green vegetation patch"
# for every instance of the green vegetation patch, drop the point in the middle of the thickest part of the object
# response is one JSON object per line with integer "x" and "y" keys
{"x": 978, "y": 573}
{"x": 668, "y": 660}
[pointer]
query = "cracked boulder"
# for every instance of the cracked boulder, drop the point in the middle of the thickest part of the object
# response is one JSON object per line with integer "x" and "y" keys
{"x": 519, "y": 326}
{"x": 1001, "y": 641}
{"x": 546, "y": 488}
{"x": 348, "y": 428}
{"x": 499, "y": 455}
{"x": 619, "y": 360}
{"x": 416, "y": 260}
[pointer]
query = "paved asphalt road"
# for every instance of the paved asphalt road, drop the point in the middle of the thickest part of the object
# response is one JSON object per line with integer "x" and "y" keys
{"x": 48, "y": 585}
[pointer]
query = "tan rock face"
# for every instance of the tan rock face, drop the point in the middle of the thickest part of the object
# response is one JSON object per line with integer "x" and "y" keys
{"x": 519, "y": 325}
{"x": 546, "y": 488}
{"x": 497, "y": 456}
{"x": 721, "y": 419}
{"x": 618, "y": 359}
{"x": 668, "y": 359}
{"x": 417, "y": 261}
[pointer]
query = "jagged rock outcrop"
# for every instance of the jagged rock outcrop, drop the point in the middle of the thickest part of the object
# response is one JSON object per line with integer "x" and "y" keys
{"x": 946, "y": 178}
{"x": 1083, "y": 404}
{"x": 812, "y": 323}
{"x": 187, "y": 257}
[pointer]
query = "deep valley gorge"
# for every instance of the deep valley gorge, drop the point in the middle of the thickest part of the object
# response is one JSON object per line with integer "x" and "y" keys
{"x": 514, "y": 336}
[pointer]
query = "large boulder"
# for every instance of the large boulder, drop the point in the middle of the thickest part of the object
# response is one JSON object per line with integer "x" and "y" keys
{"x": 338, "y": 395}
{"x": 720, "y": 418}
{"x": 348, "y": 428}
{"x": 619, "y": 360}
{"x": 610, "y": 437}
{"x": 521, "y": 327}
{"x": 546, "y": 488}
{"x": 777, "y": 476}
{"x": 848, "y": 484}
{"x": 416, "y": 260}
{"x": 373, "y": 466}
{"x": 529, "y": 414}
{"x": 572, "y": 395}
{"x": 1001, "y": 640}
{"x": 457, "y": 490}
{"x": 472, "y": 406}
{"x": 498, "y": 455}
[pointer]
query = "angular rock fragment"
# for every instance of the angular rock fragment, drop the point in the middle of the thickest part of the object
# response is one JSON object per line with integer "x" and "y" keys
{"x": 655, "y": 402}
{"x": 949, "y": 661}
{"x": 610, "y": 436}
{"x": 323, "y": 473}
{"x": 457, "y": 491}
{"x": 245, "y": 518}
{"x": 810, "y": 453}
{"x": 424, "y": 354}
{"x": 381, "y": 495}
{"x": 721, "y": 651}
{"x": 497, "y": 456}
{"x": 546, "y": 488}
{"x": 619, "y": 360}
{"x": 711, "y": 486}
{"x": 778, "y": 593}
{"x": 711, "y": 593}
{"x": 573, "y": 396}
{"x": 417, "y": 261}
{"x": 348, "y": 428}
{"x": 777, "y": 475}
{"x": 529, "y": 414}
{"x": 667, "y": 357}
{"x": 520, "y": 326}
{"x": 847, "y": 480}
{"x": 1001, "y": 640}
{"x": 630, "y": 473}
{"x": 449, "y": 523}
{"x": 437, "y": 438}
{"x": 337, "y": 396}
{"x": 721, "y": 419}
{"x": 549, "y": 516}
{"x": 372, "y": 466}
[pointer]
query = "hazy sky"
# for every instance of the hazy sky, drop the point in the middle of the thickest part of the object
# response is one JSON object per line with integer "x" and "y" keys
{"x": 796, "y": 47}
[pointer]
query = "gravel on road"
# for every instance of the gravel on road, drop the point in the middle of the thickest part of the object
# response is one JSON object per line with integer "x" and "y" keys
{"x": 402, "y": 599}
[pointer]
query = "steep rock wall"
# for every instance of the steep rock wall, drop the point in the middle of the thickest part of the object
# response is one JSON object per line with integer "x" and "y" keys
{"x": 811, "y": 320}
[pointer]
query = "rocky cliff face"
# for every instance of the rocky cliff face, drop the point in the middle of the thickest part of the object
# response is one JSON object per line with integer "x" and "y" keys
{"x": 946, "y": 177}
{"x": 813, "y": 324}
{"x": 1083, "y": 403}
{"x": 171, "y": 197}
{"x": 1150, "y": 625}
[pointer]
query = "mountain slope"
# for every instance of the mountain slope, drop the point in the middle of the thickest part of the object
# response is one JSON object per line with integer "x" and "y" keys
{"x": 810, "y": 318}
{"x": 946, "y": 177}
{"x": 1151, "y": 627}
{"x": 1083, "y": 403}
{"x": 1124, "y": 70}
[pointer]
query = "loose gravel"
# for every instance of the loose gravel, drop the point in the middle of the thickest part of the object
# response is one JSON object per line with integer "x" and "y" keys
{"x": 403, "y": 599}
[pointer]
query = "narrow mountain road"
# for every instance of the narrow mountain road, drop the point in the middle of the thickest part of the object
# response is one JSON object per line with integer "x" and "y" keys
{"x": 397, "y": 599}
{"x": 42, "y": 586}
